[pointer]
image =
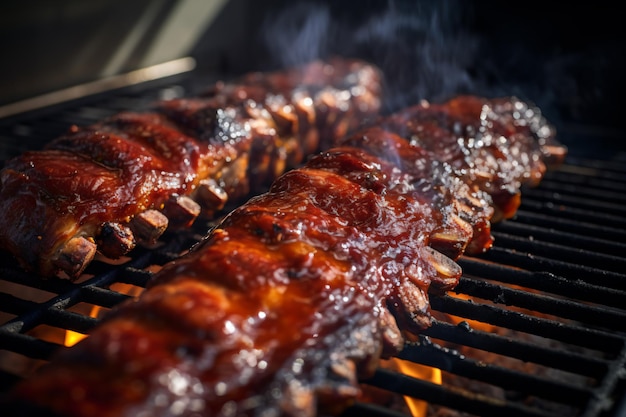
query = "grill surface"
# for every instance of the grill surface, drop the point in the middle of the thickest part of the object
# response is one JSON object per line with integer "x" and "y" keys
{"x": 535, "y": 327}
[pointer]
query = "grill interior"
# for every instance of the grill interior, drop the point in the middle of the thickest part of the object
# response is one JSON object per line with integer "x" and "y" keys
{"x": 535, "y": 327}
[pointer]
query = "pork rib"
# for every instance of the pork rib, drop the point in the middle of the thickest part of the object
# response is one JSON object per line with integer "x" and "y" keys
{"x": 293, "y": 296}
{"x": 124, "y": 180}
{"x": 274, "y": 311}
{"x": 494, "y": 145}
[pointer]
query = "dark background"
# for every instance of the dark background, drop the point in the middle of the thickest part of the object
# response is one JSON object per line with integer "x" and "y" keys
{"x": 567, "y": 57}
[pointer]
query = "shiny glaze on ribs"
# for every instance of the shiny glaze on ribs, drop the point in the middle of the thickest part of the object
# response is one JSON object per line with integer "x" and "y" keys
{"x": 123, "y": 181}
{"x": 300, "y": 291}
{"x": 494, "y": 145}
{"x": 292, "y": 297}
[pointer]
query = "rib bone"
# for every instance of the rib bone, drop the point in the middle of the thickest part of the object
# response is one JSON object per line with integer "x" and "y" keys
{"x": 115, "y": 240}
{"x": 74, "y": 257}
{"x": 210, "y": 195}
{"x": 447, "y": 270}
{"x": 148, "y": 226}
{"x": 181, "y": 211}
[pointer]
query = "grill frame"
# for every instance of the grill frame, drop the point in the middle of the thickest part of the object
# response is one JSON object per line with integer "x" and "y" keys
{"x": 552, "y": 246}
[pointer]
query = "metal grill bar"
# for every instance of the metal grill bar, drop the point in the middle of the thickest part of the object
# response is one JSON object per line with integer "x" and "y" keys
{"x": 436, "y": 394}
{"x": 590, "y": 216}
{"x": 608, "y": 208}
{"x": 612, "y": 192}
{"x": 506, "y": 346}
{"x": 602, "y": 168}
{"x": 560, "y": 391}
{"x": 562, "y": 256}
{"x": 550, "y": 329}
{"x": 562, "y": 252}
{"x": 570, "y": 238}
{"x": 531, "y": 262}
{"x": 541, "y": 280}
{"x": 594, "y": 181}
{"x": 30, "y": 346}
{"x": 552, "y": 220}
{"x": 69, "y": 320}
{"x": 565, "y": 308}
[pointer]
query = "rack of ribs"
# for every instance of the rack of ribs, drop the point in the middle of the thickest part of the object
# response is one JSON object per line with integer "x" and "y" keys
{"x": 299, "y": 292}
{"x": 125, "y": 180}
{"x": 494, "y": 145}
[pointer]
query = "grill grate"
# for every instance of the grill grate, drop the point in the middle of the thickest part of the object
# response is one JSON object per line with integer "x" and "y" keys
{"x": 535, "y": 327}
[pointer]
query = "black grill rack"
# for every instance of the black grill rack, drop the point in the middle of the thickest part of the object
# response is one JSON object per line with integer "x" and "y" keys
{"x": 535, "y": 328}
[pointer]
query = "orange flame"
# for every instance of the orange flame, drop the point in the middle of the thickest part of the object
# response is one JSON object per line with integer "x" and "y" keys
{"x": 418, "y": 408}
{"x": 72, "y": 337}
{"x": 477, "y": 325}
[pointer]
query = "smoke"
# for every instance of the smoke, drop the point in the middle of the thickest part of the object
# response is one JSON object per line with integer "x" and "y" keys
{"x": 423, "y": 50}
{"x": 298, "y": 34}
{"x": 422, "y": 47}
{"x": 437, "y": 49}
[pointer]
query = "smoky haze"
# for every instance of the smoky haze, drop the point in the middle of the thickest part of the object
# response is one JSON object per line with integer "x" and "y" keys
{"x": 568, "y": 60}
{"x": 422, "y": 48}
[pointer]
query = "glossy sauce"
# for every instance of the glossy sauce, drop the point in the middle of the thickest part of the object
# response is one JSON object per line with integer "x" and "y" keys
{"x": 262, "y": 313}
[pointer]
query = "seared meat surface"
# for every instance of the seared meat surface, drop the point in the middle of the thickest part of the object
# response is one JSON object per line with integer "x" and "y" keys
{"x": 275, "y": 310}
{"x": 123, "y": 181}
{"x": 494, "y": 145}
{"x": 301, "y": 290}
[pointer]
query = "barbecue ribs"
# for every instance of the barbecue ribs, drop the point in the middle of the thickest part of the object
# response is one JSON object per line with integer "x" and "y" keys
{"x": 301, "y": 290}
{"x": 123, "y": 181}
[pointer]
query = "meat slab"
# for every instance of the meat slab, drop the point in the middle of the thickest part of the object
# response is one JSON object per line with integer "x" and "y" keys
{"x": 125, "y": 180}
{"x": 303, "y": 289}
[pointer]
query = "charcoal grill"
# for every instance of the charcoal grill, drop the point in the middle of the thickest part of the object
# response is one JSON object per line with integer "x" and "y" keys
{"x": 551, "y": 290}
{"x": 536, "y": 326}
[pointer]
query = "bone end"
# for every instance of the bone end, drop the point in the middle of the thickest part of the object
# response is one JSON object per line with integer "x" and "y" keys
{"x": 393, "y": 341}
{"x": 148, "y": 226}
{"x": 448, "y": 271}
{"x": 449, "y": 242}
{"x": 181, "y": 211}
{"x": 554, "y": 154}
{"x": 210, "y": 195}
{"x": 75, "y": 255}
{"x": 115, "y": 240}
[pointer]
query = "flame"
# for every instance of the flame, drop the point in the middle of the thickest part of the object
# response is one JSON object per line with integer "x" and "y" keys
{"x": 72, "y": 337}
{"x": 418, "y": 408}
{"x": 478, "y": 325}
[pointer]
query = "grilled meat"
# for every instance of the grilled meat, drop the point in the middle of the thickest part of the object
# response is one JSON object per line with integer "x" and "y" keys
{"x": 123, "y": 181}
{"x": 494, "y": 145}
{"x": 463, "y": 212}
{"x": 293, "y": 297}
{"x": 475, "y": 152}
{"x": 276, "y": 310}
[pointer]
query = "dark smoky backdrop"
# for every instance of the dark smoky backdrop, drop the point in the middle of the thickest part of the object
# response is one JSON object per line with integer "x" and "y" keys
{"x": 567, "y": 57}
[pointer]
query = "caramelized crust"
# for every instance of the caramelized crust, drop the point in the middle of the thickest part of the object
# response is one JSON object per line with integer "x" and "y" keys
{"x": 494, "y": 145}
{"x": 275, "y": 311}
{"x": 107, "y": 183}
{"x": 303, "y": 289}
